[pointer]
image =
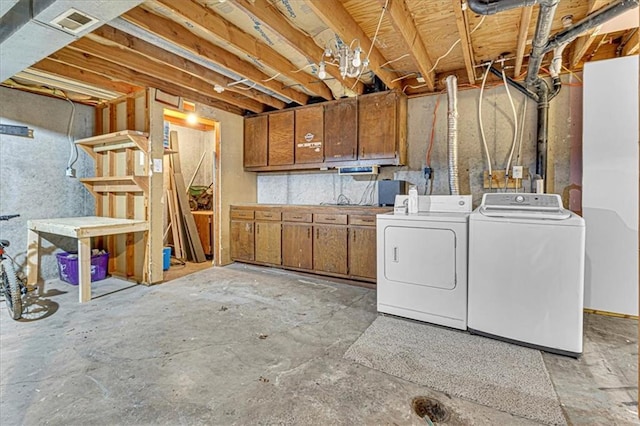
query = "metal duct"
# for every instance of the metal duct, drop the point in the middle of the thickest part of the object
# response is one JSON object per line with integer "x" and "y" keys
{"x": 489, "y": 7}
{"x": 452, "y": 133}
{"x": 591, "y": 21}
{"x": 28, "y": 32}
{"x": 540, "y": 38}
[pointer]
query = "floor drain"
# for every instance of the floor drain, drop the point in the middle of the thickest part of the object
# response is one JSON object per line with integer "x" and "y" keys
{"x": 430, "y": 409}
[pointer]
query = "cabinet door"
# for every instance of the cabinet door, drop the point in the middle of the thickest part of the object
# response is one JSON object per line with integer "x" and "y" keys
{"x": 377, "y": 126}
{"x": 310, "y": 134}
{"x": 341, "y": 131}
{"x": 330, "y": 249}
{"x": 281, "y": 138}
{"x": 242, "y": 245}
{"x": 268, "y": 243}
{"x": 297, "y": 246}
{"x": 255, "y": 141}
{"x": 362, "y": 252}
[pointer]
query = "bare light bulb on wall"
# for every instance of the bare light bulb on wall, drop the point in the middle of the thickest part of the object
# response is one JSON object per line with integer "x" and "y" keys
{"x": 192, "y": 118}
{"x": 321, "y": 72}
{"x": 356, "y": 58}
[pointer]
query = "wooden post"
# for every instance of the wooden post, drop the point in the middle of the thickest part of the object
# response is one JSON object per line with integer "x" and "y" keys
{"x": 33, "y": 259}
{"x": 84, "y": 268}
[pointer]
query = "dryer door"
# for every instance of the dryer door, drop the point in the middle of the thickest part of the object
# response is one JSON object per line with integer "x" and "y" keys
{"x": 421, "y": 256}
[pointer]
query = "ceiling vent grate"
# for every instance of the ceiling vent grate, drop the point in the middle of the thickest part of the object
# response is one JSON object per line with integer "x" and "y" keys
{"x": 74, "y": 21}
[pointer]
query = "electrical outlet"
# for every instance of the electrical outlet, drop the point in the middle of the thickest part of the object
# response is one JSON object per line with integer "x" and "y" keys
{"x": 428, "y": 171}
{"x": 517, "y": 172}
{"x": 70, "y": 172}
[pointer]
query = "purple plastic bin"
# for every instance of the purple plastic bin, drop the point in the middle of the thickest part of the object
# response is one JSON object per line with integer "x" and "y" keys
{"x": 68, "y": 267}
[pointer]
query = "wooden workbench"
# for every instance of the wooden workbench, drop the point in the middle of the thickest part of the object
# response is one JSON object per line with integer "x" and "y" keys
{"x": 81, "y": 228}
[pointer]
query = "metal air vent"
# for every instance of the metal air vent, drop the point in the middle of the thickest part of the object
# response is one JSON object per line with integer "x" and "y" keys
{"x": 73, "y": 21}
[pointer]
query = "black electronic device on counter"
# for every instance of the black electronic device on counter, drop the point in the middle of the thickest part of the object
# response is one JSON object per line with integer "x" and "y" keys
{"x": 388, "y": 189}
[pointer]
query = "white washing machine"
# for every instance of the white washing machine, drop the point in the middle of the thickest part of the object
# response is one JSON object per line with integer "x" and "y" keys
{"x": 526, "y": 272}
{"x": 422, "y": 261}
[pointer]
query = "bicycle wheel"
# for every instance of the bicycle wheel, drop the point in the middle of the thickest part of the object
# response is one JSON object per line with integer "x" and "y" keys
{"x": 11, "y": 289}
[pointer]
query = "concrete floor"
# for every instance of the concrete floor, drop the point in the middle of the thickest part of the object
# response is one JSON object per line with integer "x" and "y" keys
{"x": 245, "y": 345}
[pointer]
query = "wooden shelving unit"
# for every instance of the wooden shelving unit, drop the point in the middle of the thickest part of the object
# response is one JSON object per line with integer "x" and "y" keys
{"x": 121, "y": 189}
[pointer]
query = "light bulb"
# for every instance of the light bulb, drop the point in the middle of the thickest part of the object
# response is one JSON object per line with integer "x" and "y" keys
{"x": 218, "y": 88}
{"x": 192, "y": 118}
{"x": 356, "y": 58}
{"x": 321, "y": 72}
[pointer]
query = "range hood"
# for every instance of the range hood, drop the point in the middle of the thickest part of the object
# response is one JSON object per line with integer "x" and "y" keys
{"x": 33, "y": 29}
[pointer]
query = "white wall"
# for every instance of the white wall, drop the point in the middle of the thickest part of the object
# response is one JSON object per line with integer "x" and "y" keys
{"x": 610, "y": 200}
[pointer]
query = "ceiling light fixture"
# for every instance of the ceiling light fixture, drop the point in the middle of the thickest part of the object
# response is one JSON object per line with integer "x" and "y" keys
{"x": 218, "y": 88}
{"x": 192, "y": 118}
{"x": 347, "y": 59}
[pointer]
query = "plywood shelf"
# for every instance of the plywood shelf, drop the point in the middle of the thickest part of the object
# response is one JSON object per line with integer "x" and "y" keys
{"x": 108, "y": 184}
{"x": 115, "y": 141}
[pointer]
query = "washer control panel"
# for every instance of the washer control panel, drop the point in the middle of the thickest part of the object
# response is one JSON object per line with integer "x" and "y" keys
{"x": 521, "y": 205}
{"x": 542, "y": 202}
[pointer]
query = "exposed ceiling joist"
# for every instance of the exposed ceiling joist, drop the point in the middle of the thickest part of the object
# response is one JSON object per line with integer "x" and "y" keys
{"x": 84, "y": 76}
{"x": 523, "y": 36}
{"x": 107, "y": 34}
{"x": 210, "y": 22}
{"x": 143, "y": 65}
{"x": 462, "y": 21}
{"x": 110, "y": 69}
{"x": 582, "y": 43}
{"x": 333, "y": 13}
{"x": 269, "y": 16}
{"x": 403, "y": 23}
{"x": 632, "y": 46}
{"x": 178, "y": 35}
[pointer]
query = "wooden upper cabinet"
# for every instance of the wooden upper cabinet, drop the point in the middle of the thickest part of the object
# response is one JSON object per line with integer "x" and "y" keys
{"x": 281, "y": 125}
{"x": 341, "y": 130}
{"x": 255, "y": 141}
{"x": 310, "y": 134}
{"x": 382, "y": 126}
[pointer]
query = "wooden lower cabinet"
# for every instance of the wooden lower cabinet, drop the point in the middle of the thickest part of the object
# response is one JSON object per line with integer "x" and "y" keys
{"x": 242, "y": 247}
{"x": 330, "y": 249}
{"x": 297, "y": 246}
{"x": 204, "y": 224}
{"x": 362, "y": 252}
{"x": 268, "y": 242}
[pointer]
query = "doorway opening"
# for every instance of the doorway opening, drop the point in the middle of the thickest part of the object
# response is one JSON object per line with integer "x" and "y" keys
{"x": 191, "y": 188}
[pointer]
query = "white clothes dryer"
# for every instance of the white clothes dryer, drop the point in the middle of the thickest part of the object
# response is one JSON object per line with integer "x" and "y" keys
{"x": 422, "y": 261}
{"x": 526, "y": 271}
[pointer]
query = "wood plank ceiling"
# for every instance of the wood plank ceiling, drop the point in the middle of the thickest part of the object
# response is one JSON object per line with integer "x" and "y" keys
{"x": 259, "y": 55}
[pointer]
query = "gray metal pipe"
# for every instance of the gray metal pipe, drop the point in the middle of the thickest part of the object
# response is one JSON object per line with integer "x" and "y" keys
{"x": 452, "y": 133}
{"x": 591, "y": 21}
{"x": 489, "y": 7}
{"x": 540, "y": 38}
{"x": 543, "y": 128}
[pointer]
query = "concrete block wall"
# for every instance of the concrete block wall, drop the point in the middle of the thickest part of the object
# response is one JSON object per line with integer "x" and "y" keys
{"x": 564, "y": 161}
{"x": 32, "y": 171}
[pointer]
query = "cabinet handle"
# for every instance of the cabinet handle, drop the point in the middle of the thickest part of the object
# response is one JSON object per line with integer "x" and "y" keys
{"x": 395, "y": 254}
{"x": 353, "y": 231}
{"x": 367, "y": 220}
{"x": 329, "y": 218}
{"x": 297, "y": 217}
{"x": 317, "y": 234}
{"x": 257, "y": 228}
{"x": 308, "y": 232}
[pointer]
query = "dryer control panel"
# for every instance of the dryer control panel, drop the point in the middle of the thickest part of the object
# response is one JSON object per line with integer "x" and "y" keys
{"x": 543, "y": 206}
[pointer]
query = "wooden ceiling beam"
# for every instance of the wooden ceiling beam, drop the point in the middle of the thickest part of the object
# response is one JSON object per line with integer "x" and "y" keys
{"x": 178, "y": 35}
{"x": 336, "y": 17}
{"x": 270, "y": 17}
{"x": 87, "y": 77}
{"x": 107, "y": 34}
{"x": 582, "y": 43}
{"x": 632, "y": 45}
{"x": 462, "y": 21}
{"x": 143, "y": 65}
{"x": 109, "y": 69}
{"x": 212, "y": 23}
{"x": 523, "y": 35}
